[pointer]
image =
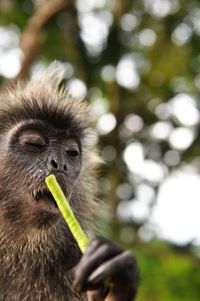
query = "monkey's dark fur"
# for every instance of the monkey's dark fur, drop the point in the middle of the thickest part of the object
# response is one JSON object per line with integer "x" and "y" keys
{"x": 44, "y": 130}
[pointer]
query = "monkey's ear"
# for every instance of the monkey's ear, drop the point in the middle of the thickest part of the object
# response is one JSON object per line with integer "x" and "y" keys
{"x": 53, "y": 75}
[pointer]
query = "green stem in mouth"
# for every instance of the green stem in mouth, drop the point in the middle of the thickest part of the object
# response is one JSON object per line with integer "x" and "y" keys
{"x": 67, "y": 212}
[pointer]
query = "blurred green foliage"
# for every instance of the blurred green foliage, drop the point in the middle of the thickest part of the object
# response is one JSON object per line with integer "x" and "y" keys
{"x": 167, "y": 275}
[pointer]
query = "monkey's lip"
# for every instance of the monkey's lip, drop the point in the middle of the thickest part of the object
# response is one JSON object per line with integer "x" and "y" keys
{"x": 45, "y": 201}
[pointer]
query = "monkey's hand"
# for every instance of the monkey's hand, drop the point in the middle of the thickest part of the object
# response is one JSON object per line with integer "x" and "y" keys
{"x": 107, "y": 272}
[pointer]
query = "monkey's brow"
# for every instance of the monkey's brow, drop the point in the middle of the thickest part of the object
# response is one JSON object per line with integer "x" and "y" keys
{"x": 28, "y": 122}
{"x": 37, "y": 123}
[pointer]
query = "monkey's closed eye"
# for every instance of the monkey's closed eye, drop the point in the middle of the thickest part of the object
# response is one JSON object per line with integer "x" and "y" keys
{"x": 32, "y": 140}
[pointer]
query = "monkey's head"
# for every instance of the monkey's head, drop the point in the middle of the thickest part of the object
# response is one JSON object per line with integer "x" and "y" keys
{"x": 43, "y": 130}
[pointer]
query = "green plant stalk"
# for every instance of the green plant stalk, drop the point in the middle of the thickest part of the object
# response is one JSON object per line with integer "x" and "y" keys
{"x": 67, "y": 212}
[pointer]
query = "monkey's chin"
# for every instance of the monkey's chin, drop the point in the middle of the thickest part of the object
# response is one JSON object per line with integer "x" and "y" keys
{"x": 44, "y": 218}
{"x": 47, "y": 204}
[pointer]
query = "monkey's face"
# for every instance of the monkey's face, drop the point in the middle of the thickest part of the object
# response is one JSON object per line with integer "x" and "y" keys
{"x": 36, "y": 149}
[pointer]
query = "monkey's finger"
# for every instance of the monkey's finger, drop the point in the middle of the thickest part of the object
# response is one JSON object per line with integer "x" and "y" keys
{"x": 91, "y": 260}
{"x": 123, "y": 266}
{"x": 96, "y": 243}
{"x": 119, "y": 276}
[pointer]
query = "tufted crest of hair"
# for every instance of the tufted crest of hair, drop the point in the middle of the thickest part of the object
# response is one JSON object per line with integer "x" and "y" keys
{"x": 42, "y": 98}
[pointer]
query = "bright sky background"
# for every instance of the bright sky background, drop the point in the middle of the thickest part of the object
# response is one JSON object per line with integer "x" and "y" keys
{"x": 177, "y": 213}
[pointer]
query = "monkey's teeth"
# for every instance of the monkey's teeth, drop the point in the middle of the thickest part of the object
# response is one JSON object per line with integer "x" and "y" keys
{"x": 43, "y": 193}
{"x": 40, "y": 193}
{"x": 34, "y": 194}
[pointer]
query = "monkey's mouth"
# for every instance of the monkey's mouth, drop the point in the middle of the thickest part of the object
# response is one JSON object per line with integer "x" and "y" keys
{"x": 45, "y": 200}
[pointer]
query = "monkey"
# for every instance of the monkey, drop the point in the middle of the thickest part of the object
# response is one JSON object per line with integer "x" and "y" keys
{"x": 44, "y": 130}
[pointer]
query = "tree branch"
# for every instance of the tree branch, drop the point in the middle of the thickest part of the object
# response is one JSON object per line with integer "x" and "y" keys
{"x": 30, "y": 39}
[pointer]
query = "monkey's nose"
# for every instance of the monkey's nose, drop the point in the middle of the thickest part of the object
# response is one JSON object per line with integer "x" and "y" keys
{"x": 57, "y": 166}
